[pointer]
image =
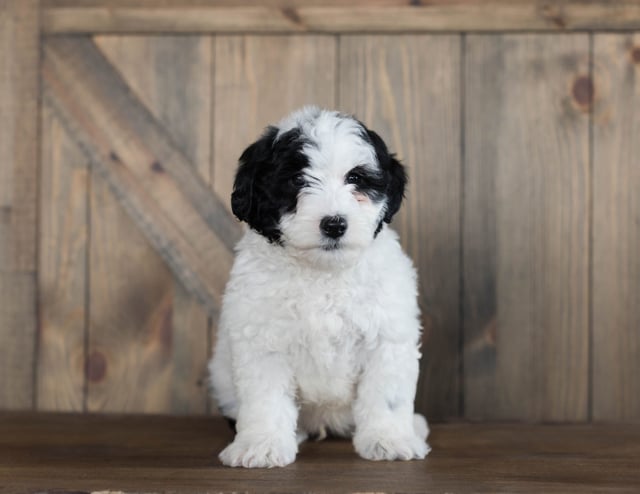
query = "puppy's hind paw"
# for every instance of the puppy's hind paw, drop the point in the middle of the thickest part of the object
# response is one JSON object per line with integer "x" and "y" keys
{"x": 383, "y": 447}
{"x": 259, "y": 452}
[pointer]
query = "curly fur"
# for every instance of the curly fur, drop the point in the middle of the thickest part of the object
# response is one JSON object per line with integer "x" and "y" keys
{"x": 319, "y": 332}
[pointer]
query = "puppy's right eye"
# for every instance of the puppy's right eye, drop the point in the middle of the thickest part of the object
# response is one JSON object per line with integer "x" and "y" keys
{"x": 298, "y": 181}
{"x": 354, "y": 178}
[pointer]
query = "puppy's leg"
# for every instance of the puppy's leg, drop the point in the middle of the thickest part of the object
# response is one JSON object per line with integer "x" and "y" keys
{"x": 386, "y": 428}
{"x": 267, "y": 413}
{"x": 221, "y": 378}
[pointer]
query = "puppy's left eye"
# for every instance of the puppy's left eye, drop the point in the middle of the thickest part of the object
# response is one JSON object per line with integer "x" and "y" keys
{"x": 298, "y": 181}
{"x": 354, "y": 178}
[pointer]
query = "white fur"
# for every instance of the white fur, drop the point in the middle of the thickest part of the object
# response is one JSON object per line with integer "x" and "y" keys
{"x": 313, "y": 340}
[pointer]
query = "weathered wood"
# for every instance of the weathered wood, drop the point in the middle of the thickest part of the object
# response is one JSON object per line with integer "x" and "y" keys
{"x": 407, "y": 88}
{"x": 220, "y": 3}
{"x": 62, "y": 277}
{"x": 18, "y": 332}
{"x": 172, "y": 77}
{"x": 257, "y": 82}
{"x": 89, "y": 453}
{"x": 148, "y": 339}
{"x": 19, "y": 58}
{"x": 526, "y": 227}
{"x": 135, "y": 16}
{"x": 616, "y": 228}
{"x": 151, "y": 177}
{"x": 131, "y": 314}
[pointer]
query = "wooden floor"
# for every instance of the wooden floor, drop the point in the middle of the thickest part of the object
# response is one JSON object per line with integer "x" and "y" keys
{"x": 75, "y": 453}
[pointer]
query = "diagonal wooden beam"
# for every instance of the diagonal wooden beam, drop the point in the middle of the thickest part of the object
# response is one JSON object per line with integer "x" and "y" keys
{"x": 164, "y": 194}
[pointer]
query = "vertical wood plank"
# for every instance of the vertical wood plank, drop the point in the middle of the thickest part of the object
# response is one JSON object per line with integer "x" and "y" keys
{"x": 259, "y": 79}
{"x": 148, "y": 339}
{"x": 62, "y": 280}
{"x": 616, "y": 230}
{"x": 17, "y": 333}
{"x": 526, "y": 227}
{"x": 407, "y": 89}
{"x": 19, "y": 56}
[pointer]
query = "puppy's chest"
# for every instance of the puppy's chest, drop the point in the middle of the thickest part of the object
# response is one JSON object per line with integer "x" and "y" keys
{"x": 326, "y": 320}
{"x": 328, "y": 345}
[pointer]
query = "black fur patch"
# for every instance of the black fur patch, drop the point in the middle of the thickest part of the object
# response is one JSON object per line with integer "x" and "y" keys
{"x": 371, "y": 183}
{"x": 268, "y": 181}
{"x": 394, "y": 175}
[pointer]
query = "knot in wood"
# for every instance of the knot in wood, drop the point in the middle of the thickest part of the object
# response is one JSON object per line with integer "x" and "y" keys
{"x": 635, "y": 55}
{"x": 96, "y": 366}
{"x": 583, "y": 90}
{"x": 292, "y": 14}
{"x": 554, "y": 15}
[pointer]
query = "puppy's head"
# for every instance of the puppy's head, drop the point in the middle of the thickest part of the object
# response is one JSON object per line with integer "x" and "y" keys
{"x": 320, "y": 184}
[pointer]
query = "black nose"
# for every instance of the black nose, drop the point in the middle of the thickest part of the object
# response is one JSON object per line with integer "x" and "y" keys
{"x": 333, "y": 226}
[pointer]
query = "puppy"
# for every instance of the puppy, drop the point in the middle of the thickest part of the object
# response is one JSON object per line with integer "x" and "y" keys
{"x": 319, "y": 330}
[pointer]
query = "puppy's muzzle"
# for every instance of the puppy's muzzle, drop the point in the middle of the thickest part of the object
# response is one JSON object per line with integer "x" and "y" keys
{"x": 333, "y": 226}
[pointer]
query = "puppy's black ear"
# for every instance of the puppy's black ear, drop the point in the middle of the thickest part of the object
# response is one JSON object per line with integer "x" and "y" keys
{"x": 395, "y": 189}
{"x": 254, "y": 162}
{"x": 395, "y": 173}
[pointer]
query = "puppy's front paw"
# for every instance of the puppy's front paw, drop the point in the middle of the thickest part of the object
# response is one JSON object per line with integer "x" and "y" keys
{"x": 381, "y": 446}
{"x": 259, "y": 452}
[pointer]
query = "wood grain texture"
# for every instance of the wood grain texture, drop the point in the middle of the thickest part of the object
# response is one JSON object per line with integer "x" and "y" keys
{"x": 131, "y": 313}
{"x": 172, "y": 77}
{"x": 62, "y": 277}
{"x": 407, "y": 89}
{"x": 89, "y": 453}
{"x": 19, "y": 56}
{"x": 153, "y": 336}
{"x": 135, "y": 16}
{"x": 616, "y": 229}
{"x": 526, "y": 227}
{"x": 18, "y": 332}
{"x": 250, "y": 93}
{"x": 153, "y": 179}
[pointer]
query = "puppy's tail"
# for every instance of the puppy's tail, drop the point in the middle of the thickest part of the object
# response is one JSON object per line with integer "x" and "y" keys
{"x": 420, "y": 426}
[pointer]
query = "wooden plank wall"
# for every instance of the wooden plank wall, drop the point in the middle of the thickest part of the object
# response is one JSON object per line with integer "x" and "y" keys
{"x": 521, "y": 211}
{"x": 155, "y": 344}
{"x": 526, "y": 212}
{"x": 19, "y": 57}
{"x": 616, "y": 228}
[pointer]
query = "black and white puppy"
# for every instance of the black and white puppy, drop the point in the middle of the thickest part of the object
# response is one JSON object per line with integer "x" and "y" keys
{"x": 319, "y": 331}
